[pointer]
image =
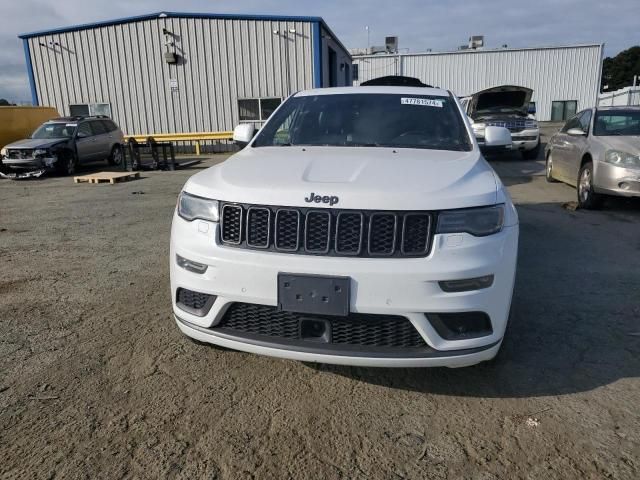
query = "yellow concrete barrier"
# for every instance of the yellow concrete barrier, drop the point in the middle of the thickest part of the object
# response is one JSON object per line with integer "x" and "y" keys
{"x": 20, "y": 122}
{"x": 196, "y": 137}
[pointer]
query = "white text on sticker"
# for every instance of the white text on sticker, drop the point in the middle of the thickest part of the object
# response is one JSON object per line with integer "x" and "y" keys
{"x": 425, "y": 102}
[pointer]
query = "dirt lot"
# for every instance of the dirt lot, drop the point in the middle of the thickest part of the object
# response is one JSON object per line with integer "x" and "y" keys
{"x": 96, "y": 381}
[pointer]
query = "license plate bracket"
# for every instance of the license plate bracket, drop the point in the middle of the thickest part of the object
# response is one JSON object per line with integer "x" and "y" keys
{"x": 314, "y": 294}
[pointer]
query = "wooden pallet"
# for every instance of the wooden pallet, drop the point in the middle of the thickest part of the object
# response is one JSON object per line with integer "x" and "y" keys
{"x": 104, "y": 177}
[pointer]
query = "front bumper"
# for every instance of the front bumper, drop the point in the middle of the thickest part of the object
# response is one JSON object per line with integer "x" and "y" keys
{"x": 406, "y": 287}
{"x": 26, "y": 167}
{"x": 613, "y": 180}
{"x": 525, "y": 140}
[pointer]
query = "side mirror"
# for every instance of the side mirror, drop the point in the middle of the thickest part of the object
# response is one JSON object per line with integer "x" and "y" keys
{"x": 576, "y": 132}
{"x": 532, "y": 109}
{"x": 82, "y": 135}
{"x": 497, "y": 137}
{"x": 243, "y": 134}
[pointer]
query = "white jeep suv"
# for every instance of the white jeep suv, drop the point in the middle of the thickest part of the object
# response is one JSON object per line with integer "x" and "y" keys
{"x": 360, "y": 226}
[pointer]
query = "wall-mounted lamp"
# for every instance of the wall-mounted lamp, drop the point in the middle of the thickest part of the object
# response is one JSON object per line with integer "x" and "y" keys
{"x": 169, "y": 52}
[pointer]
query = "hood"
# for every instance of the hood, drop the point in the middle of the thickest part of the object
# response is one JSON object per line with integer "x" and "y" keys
{"x": 500, "y": 100}
{"x": 629, "y": 144}
{"x": 33, "y": 143}
{"x": 361, "y": 178}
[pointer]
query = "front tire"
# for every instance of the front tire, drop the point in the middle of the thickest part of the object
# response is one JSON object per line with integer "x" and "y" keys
{"x": 587, "y": 197}
{"x": 549, "y": 169}
{"x": 66, "y": 164}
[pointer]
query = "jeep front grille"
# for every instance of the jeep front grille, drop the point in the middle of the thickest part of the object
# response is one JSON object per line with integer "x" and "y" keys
{"x": 334, "y": 232}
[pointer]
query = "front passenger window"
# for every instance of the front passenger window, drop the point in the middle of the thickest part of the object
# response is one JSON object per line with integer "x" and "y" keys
{"x": 573, "y": 122}
{"x": 585, "y": 120}
{"x": 84, "y": 130}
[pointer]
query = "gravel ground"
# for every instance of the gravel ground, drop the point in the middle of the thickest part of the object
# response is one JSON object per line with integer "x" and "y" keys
{"x": 96, "y": 381}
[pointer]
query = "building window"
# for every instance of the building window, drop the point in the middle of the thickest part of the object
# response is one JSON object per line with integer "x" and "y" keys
{"x": 355, "y": 72}
{"x": 257, "y": 109}
{"x": 90, "y": 109}
{"x": 561, "y": 110}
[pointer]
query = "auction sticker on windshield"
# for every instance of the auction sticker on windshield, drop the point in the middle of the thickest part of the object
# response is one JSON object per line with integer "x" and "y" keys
{"x": 426, "y": 102}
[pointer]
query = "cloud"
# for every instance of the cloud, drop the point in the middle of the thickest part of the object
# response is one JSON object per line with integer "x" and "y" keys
{"x": 420, "y": 24}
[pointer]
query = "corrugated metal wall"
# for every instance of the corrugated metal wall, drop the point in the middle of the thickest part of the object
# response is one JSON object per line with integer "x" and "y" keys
{"x": 563, "y": 73}
{"x": 221, "y": 60}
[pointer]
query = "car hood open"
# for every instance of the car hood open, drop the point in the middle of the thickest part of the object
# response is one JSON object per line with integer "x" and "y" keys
{"x": 361, "y": 177}
{"x": 500, "y": 100}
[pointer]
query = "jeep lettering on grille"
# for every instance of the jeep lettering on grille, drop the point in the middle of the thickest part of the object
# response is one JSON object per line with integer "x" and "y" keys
{"x": 313, "y": 198}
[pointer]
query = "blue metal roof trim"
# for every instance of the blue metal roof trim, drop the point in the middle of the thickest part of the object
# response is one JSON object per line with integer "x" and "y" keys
{"x": 32, "y": 80}
{"x": 317, "y": 55}
{"x": 152, "y": 16}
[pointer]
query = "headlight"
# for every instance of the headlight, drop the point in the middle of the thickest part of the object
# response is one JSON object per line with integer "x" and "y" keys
{"x": 530, "y": 124}
{"x": 622, "y": 159}
{"x": 480, "y": 221}
{"x": 40, "y": 151}
{"x": 3, "y": 152}
{"x": 191, "y": 207}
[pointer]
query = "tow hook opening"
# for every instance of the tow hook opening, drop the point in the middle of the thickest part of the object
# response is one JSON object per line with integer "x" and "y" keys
{"x": 315, "y": 330}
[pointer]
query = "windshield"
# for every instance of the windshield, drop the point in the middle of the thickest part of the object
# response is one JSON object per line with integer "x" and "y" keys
{"x": 619, "y": 122}
{"x": 367, "y": 120}
{"x": 54, "y": 130}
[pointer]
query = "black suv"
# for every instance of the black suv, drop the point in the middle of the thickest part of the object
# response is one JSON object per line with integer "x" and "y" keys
{"x": 61, "y": 144}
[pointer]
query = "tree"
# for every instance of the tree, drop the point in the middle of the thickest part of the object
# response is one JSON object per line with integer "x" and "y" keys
{"x": 618, "y": 72}
{"x": 4, "y": 103}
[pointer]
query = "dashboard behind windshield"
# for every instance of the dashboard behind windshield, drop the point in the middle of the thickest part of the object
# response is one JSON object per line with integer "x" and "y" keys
{"x": 54, "y": 130}
{"x": 367, "y": 120}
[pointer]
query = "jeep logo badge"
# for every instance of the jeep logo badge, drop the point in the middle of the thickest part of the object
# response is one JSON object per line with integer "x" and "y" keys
{"x": 313, "y": 198}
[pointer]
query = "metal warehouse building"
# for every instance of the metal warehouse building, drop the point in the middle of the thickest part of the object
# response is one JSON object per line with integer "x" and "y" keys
{"x": 564, "y": 79}
{"x": 183, "y": 72}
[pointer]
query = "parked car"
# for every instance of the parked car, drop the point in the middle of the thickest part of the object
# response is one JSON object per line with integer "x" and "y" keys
{"x": 61, "y": 144}
{"x": 506, "y": 106}
{"x": 360, "y": 226}
{"x": 598, "y": 152}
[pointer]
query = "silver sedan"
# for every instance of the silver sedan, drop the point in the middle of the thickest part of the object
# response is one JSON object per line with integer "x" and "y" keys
{"x": 598, "y": 152}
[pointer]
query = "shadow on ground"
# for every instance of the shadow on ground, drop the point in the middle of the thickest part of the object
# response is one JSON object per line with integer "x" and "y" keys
{"x": 575, "y": 315}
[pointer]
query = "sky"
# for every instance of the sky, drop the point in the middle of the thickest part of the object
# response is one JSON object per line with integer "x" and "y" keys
{"x": 420, "y": 24}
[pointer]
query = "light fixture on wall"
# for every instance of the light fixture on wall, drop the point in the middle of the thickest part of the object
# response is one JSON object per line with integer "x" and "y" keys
{"x": 169, "y": 54}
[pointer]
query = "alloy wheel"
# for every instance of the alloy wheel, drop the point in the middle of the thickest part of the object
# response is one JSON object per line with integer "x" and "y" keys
{"x": 584, "y": 187}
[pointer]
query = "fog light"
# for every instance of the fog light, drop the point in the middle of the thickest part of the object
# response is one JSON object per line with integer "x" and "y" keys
{"x": 459, "y": 326}
{"x": 624, "y": 185}
{"x": 190, "y": 265}
{"x": 466, "y": 284}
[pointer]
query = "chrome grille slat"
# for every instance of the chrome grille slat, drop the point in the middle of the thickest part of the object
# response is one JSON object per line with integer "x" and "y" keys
{"x": 512, "y": 125}
{"x": 327, "y": 231}
{"x": 317, "y": 231}
{"x": 258, "y": 227}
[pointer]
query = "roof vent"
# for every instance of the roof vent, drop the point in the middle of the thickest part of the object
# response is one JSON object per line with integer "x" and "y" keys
{"x": 391, "y": 44}
{"x": 476, "y": 41}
